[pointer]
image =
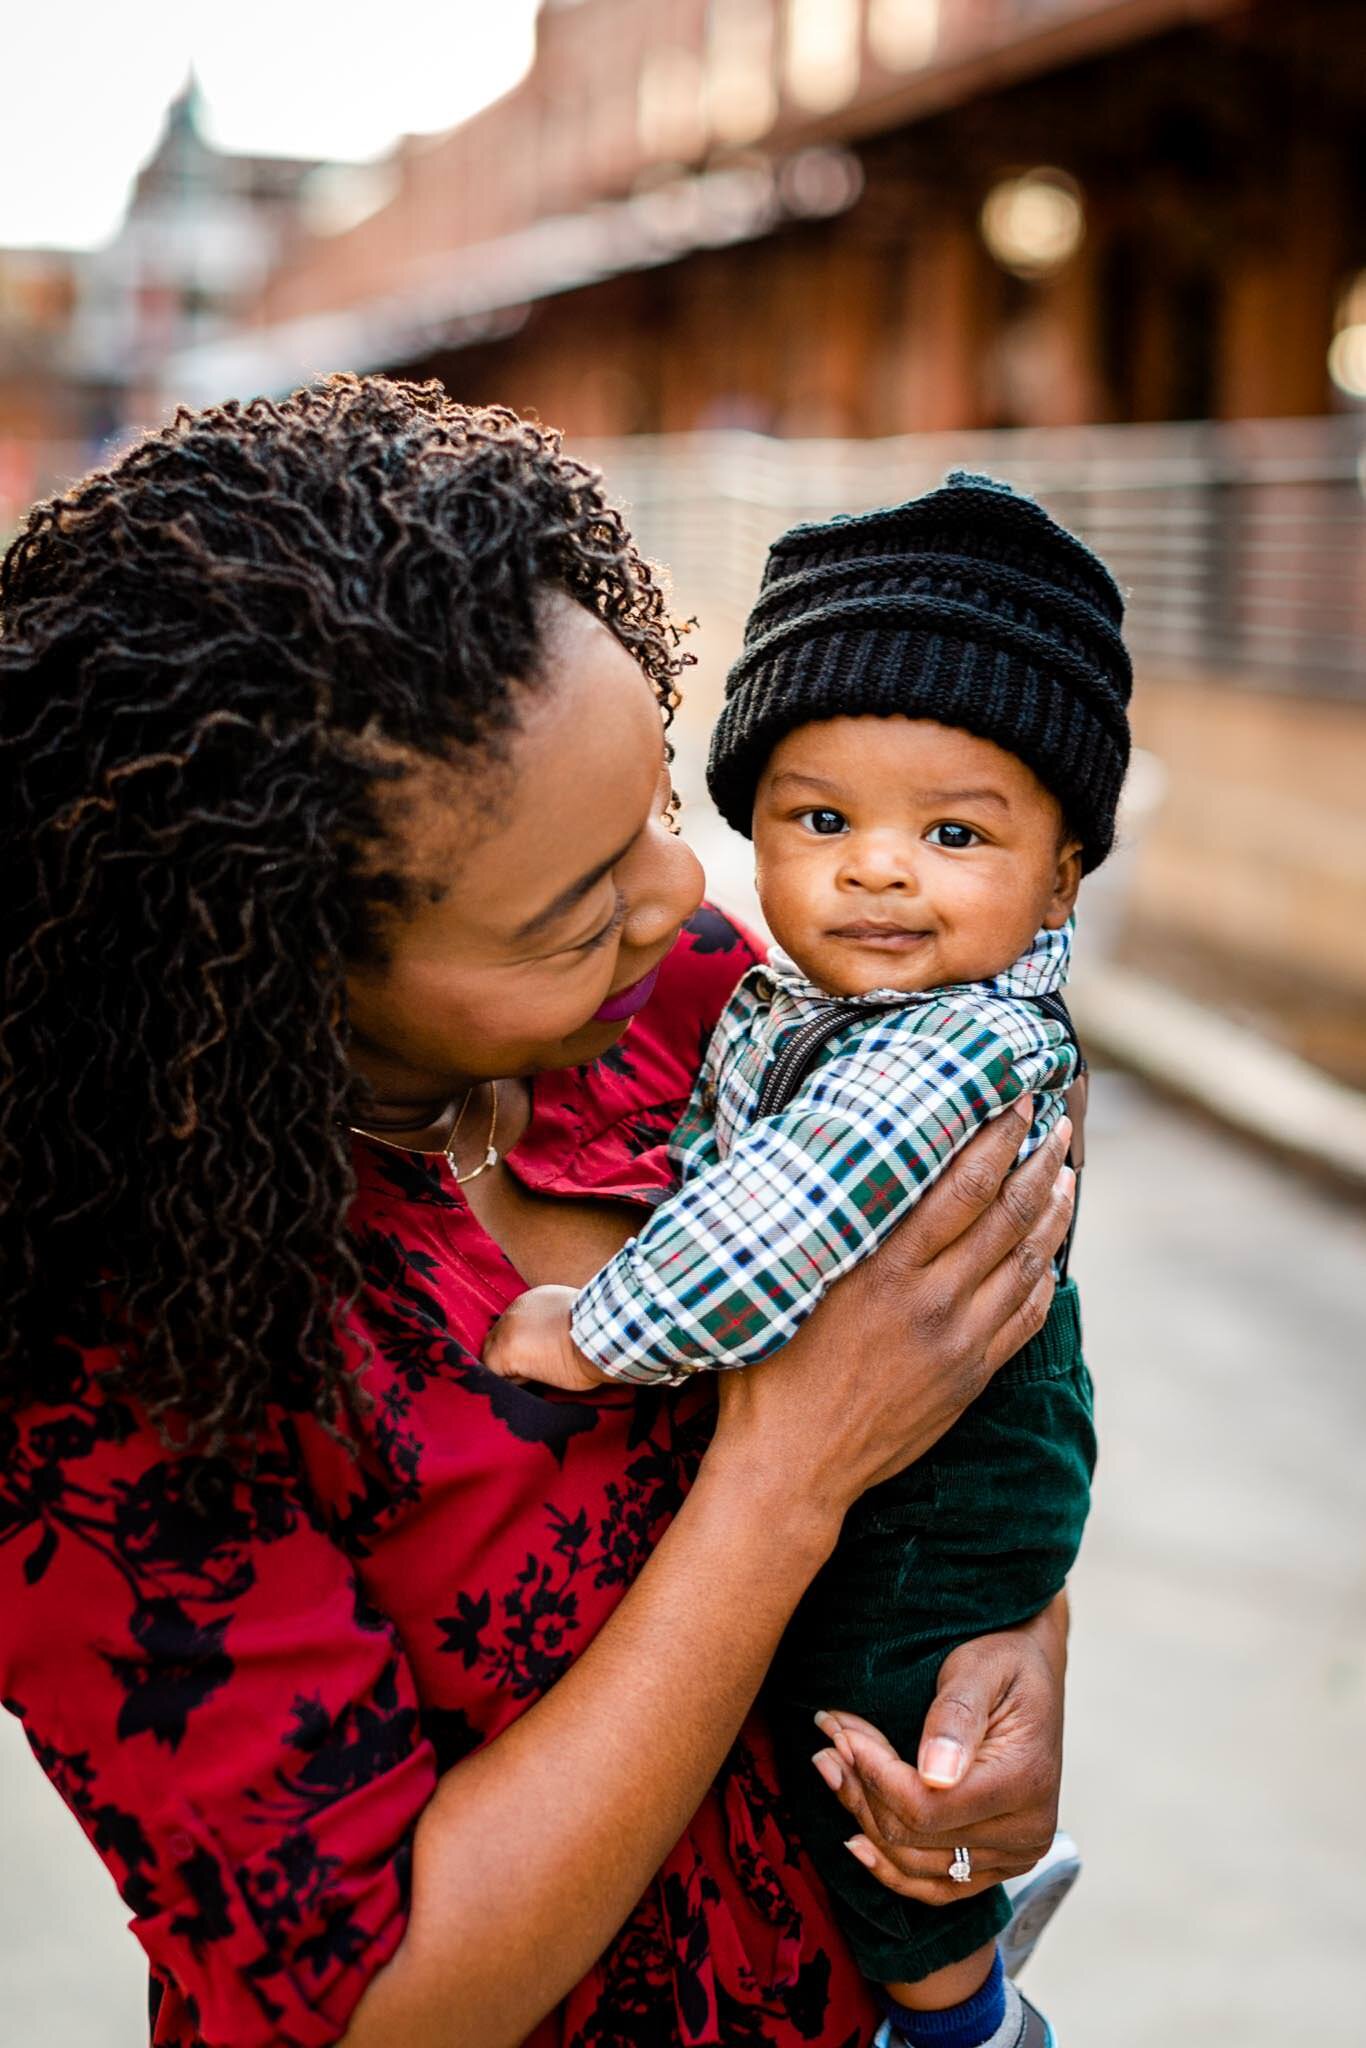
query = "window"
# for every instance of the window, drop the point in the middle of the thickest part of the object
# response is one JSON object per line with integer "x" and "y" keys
{"x": 742, "y": 98}
{"x": 903, "y": 34}
{"x": 823, "y": 53}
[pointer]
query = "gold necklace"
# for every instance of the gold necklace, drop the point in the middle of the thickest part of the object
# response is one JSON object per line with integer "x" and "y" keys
{"x": 489, "y": 1159}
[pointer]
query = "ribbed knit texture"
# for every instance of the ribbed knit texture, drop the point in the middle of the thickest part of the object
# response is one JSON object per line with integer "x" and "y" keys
{"x": 974, "y": 2023}
{"x": 971, "y": 606}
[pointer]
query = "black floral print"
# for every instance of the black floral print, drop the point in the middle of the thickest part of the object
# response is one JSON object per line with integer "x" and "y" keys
{"x": 245, "y": 1684}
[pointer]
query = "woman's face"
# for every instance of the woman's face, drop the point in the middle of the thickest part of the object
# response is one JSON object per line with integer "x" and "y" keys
{"x": 552, "y": 885}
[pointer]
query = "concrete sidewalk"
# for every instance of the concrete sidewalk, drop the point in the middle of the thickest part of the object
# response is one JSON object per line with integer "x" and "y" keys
{"x": 1217, "y": 1731}
{"x": 1225, "y": 1068}
{"x": 1217, "y": 1737}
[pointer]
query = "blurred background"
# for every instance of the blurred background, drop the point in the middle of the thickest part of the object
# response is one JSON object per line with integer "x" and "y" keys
{"x": 769, "y": 259}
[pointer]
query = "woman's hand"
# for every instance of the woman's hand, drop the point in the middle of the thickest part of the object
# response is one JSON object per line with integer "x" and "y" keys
{"x": 903, "y": 1344}
{"x": 987, "y": 1773}
{"x": 502, "y": 1924}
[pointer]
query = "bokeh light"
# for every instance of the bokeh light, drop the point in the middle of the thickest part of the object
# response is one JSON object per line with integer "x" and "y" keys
{"x": 1347, "y": 350}
{"x": 1035, "y": 223}
{"x": 1347, "y": 360}
{"x": 822, "y": 52}
{"x": 903, "y": 34}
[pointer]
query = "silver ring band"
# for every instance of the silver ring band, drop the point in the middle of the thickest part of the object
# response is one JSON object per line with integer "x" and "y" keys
{"x": 960, "y": 1870}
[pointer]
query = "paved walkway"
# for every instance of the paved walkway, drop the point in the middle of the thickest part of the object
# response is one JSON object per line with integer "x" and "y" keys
{"x": 1217, "y": 1754}
{"x": 1217, "y": 1773}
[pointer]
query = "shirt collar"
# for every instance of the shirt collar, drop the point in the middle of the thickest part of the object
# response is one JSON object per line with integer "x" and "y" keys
{"x": 1041, "y": 968}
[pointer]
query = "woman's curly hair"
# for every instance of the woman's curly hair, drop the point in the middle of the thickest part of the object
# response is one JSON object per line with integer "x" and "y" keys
{"x": 209, "y": 655}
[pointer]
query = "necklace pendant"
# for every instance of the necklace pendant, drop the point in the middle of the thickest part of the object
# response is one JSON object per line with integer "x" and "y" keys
{"x": 489, "y": 1159}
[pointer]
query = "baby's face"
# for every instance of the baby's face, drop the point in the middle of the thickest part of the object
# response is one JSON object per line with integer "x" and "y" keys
{"x": 897, "y": 853}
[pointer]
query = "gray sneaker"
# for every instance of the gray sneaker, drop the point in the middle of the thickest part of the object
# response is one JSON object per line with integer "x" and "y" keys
{"x": 1034, "y": 2030}
{"x": 1037, "y": 2031}
{"x": 1035, "y": 1898}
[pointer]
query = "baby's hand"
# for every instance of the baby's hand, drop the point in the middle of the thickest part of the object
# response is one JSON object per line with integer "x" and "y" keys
{"x": 531, "y": 1341}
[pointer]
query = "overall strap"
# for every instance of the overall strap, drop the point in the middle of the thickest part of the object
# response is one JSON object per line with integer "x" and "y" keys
{"x": 791, "y": 1066}
{"x": 1055, "y": 1009}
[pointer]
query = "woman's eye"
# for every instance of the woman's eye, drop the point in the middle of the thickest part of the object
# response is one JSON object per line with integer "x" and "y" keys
{"x": 608, "y": 931}
{"x": 954, "y": 836}
{"x": 826, "y": 823}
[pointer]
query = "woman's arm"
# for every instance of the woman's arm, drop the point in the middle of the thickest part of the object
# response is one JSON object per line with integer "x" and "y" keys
{"x": 532, "y": 1852}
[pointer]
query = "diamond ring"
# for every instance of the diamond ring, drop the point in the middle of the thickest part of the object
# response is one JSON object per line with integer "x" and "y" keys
{"x": 960, "y": 1870}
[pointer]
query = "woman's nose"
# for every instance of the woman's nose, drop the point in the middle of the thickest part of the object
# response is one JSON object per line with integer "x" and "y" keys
{"x": 663, "y": 891}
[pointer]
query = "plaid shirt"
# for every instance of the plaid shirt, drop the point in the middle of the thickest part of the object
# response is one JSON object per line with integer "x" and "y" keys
{"x": 772, "y": 1210}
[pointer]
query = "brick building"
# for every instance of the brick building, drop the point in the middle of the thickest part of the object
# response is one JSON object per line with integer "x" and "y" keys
{"x": 818, "y": 216}
{"x": 1035, "y": 235}
{"x": 84, "y": 336}
{"x": 40, "y": 410}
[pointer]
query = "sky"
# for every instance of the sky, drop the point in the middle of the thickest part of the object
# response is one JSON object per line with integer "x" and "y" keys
{"x": 84, "y": 85}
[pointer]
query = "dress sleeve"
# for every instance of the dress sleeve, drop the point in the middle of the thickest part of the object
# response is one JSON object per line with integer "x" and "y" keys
{"x": 729, "y": 1268}
{"x": 236, "y": 1729}
{"x": 692, "y": 1147}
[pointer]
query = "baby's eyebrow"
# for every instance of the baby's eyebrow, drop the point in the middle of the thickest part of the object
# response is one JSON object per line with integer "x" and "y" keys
{"x": 924, "y": 796}
{"x": 964, "y": 796}
{"x": 807, "y": 781}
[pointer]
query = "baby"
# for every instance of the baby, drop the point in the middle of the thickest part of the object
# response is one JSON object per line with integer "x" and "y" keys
{"x": 926, "y": 735}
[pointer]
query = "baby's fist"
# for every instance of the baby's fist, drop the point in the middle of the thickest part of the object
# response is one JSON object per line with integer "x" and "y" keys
{"x": 532, "y": 1341}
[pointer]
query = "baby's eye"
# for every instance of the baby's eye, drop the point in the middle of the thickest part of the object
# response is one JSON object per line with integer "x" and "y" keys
{"x": 954, "y": 836}
{"x": 825, "y": 822}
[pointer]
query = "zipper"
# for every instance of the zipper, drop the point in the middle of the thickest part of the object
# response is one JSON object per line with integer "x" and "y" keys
{"x": 790, "y": 1067}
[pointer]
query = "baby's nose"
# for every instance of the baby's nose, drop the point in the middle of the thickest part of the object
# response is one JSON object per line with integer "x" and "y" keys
{"x": 881, "y": 864}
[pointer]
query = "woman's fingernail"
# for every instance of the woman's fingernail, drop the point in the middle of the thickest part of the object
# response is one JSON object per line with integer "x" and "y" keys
{"x": 828, "y": 1725}
{"x": 830, "y": 1768}
{"x": 941, "y": 1761}
{"x": 862, "y": 1850}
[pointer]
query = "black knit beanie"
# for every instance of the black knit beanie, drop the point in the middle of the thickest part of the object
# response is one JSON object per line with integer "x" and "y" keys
{"x": 971, "y": 606}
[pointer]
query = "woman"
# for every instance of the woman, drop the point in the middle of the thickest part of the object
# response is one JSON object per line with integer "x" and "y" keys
{"x": 406, "y": 1705}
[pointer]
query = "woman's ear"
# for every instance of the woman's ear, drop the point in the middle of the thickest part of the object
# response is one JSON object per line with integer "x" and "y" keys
{"x": 1066, "y": 882}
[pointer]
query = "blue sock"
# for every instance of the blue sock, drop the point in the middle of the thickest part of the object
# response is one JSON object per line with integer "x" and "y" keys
{"x": 958, "y": 2026}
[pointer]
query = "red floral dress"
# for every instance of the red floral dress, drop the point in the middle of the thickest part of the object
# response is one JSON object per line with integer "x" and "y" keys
{"x": 248, "y": 1708}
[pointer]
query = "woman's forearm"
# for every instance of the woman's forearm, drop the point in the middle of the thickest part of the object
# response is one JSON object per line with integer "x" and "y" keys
{"x": 1051, "y": 1629}
{"x": 533, "y": 1852}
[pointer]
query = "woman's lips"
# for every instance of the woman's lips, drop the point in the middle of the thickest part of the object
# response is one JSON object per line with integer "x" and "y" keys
{"x": 891, "y": 936}
{"x": 627, "y": 1001}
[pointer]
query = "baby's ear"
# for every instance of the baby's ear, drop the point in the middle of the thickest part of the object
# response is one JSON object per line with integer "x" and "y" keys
{"x": 1066, "y": 882}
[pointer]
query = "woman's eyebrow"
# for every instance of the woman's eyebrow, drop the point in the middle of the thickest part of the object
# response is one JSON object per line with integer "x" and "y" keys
{"x": 575, "y": 893}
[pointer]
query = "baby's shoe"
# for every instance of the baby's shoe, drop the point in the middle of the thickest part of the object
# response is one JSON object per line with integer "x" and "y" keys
{"x": 1035, "y": 2030}
{"x": 1024, "y": 2027}
{"x": 1035, "y": 1898}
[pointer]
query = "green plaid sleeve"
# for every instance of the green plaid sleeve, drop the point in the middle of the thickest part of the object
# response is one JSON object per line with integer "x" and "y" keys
{"x": 728, "y": 1269}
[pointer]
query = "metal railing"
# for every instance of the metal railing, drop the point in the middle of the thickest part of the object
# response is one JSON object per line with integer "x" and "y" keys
{"x": 1241, "y": 545}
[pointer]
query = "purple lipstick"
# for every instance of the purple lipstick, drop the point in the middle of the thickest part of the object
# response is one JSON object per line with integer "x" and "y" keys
{"x": 627, "y": 1001}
